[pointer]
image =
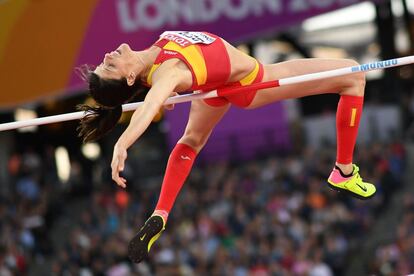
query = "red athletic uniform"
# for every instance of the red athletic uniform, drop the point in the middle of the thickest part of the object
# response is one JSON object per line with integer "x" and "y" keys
{"x": 206, "y": 56}
{"x": 208, "y": 60}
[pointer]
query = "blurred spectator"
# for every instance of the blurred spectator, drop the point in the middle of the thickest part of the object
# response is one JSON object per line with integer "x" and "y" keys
{"x": 397, "y": 257}
{"x": 274, "y": 216}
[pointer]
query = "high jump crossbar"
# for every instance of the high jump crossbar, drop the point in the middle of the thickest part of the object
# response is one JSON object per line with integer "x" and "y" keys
{"x": 376, "y": 65}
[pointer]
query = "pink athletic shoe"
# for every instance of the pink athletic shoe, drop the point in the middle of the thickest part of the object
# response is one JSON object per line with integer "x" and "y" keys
{"x": 352, "y": 185}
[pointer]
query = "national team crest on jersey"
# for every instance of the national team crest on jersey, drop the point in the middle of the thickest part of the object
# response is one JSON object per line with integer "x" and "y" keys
{"x": 185, "y": 39}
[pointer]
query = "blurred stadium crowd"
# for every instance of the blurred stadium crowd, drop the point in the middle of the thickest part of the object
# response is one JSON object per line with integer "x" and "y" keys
{"x": 271, "y": 216}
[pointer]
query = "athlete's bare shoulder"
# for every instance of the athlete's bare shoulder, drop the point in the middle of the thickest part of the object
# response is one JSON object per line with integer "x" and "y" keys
{"x": 178, "y": 70}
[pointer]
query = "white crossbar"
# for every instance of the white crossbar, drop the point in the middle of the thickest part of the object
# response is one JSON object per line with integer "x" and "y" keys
{"x": 376, "y": 65}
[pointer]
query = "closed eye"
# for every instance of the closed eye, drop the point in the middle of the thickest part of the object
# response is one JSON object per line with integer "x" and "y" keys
{"x": 108, "y": 66}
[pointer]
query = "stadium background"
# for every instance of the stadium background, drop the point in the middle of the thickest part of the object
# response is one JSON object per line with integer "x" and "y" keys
{"x": 256, "y": 202}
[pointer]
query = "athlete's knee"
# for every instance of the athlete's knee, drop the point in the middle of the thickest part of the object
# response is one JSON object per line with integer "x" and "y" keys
{"x": 194, "y": 140}
{"x": 357, "y": 79}
{"x": 354, "y": 84}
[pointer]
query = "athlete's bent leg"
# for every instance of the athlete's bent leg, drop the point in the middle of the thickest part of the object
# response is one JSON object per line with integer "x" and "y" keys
{"x": 351, "y": 91}
{"x": 202, "y": 120}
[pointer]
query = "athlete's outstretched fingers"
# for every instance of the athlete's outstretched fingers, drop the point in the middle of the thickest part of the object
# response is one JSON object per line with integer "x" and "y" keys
{"x": 120, "y": 181}
{"x": 117, "y": 165}
{"x": 115, "y": 173}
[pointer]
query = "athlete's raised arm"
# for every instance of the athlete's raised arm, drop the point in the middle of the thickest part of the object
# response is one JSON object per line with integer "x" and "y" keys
{"x": 165, "y": 80}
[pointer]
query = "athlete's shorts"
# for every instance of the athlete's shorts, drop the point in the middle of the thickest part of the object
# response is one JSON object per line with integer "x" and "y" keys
{"x": 243, "y": 99}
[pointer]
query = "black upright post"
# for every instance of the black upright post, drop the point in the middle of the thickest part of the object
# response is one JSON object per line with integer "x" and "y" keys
{"x": 385, "y": 37}
{"x": 409, "y": 24}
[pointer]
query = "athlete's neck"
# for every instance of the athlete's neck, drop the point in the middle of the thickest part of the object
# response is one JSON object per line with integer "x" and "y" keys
{"x": 146, "y": 59}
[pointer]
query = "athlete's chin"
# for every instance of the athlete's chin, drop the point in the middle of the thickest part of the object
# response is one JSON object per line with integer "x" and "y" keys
{"x": 124, "y": 47}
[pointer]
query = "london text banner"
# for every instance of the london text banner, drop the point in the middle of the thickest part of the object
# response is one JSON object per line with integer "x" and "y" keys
{"x": 41, "y": 42}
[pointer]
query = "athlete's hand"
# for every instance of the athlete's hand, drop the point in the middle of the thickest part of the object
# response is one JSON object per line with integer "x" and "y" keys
{"x": 171, "y": 106}
{"x": 117, "y": 165}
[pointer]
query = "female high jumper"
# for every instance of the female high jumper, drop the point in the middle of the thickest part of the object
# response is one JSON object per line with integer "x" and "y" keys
{"x": 201, "y": 61}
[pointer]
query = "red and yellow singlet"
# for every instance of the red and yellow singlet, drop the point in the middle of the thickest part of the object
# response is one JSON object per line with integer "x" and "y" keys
{"x": 208, "y": 60}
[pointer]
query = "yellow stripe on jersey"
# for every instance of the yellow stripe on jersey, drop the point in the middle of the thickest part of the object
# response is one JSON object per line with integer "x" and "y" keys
{"x": 353, "y": 115}
{"x": 194, "y": 56}
{"x": 153, "y": 68}
{"x": 251, "y": 76}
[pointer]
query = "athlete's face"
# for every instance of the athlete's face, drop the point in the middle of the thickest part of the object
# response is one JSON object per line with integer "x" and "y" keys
{"x": 117, "y": 64}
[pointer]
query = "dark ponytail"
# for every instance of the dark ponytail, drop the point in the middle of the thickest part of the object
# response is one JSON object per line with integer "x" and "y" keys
{"x": 97, "y": 121}
{"x": 109, "y": 95}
